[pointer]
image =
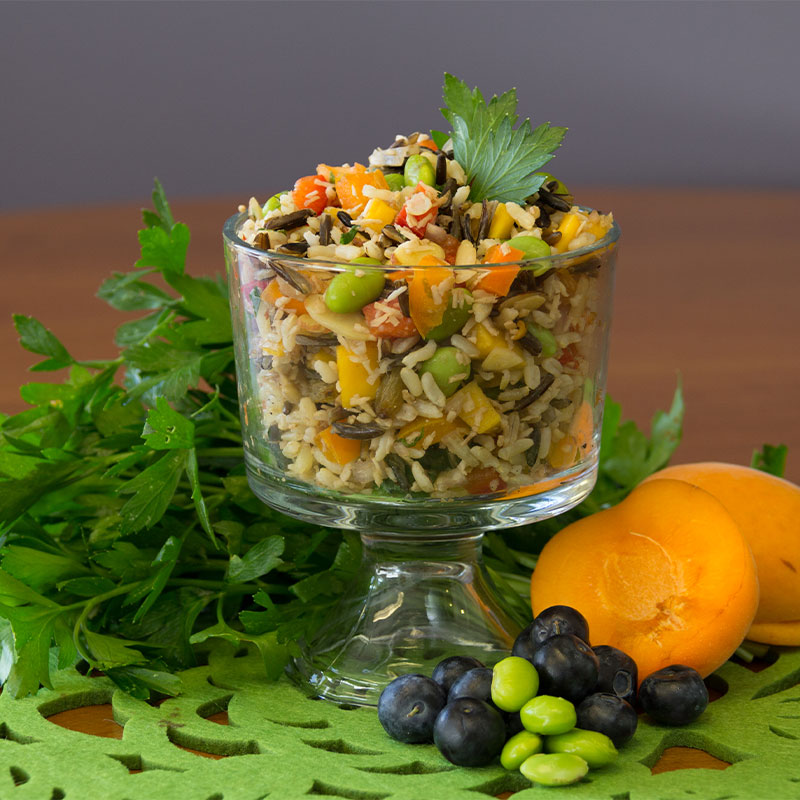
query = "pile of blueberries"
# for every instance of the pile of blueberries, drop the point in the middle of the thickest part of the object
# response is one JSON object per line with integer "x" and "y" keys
{"x": 553, "y": 709}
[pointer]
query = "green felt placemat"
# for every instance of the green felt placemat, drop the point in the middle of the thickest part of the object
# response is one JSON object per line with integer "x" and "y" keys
{"x": 282, "y": 744}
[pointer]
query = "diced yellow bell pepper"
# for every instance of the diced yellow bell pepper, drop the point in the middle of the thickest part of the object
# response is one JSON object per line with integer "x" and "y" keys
{"x": 597, "y": 227}
{"x": 421, "y": 428}
{"x": 354, "y": 375}
{"x": 337, "y": 448}
{"x": 502, "y": 223}
{"x": 568, "y": 228}
{"x": 474, "y": 407}
{"x": 377, "y": 213}
{"x": 497, "y": 354}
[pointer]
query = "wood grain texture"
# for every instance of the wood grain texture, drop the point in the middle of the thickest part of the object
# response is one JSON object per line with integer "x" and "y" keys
{"x": 707, "y": 288}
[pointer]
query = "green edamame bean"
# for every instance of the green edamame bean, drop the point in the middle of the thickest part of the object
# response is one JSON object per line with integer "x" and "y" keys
{"x": 596, "y": 749}
{"x": 445, "y": 364}
{"x": 532, "y": 246}
{"x": 273, "y": 203}
{"x": 455, "y": 316}
{"x": 395, "y": 180}
{"x": 351, "y": 290}
{"x": 514, "y": 682}
{"x": 519, "y": 747}
{"x": 418, "y": 168}
{"x": 548, "y": 715}
{"x": 554, "y": 769}
{"x": 546, "y": 338}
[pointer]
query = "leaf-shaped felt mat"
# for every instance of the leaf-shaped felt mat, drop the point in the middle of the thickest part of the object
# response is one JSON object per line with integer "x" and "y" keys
{"x": 281, "y": 744}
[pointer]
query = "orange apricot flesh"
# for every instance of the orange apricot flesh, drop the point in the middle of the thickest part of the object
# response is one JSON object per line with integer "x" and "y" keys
{"x": 767, "y": 511}
{"x": 665, "y": 576}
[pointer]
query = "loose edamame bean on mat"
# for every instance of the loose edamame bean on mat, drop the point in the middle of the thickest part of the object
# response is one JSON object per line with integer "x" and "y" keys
{"x": 548, "y": 715}
{"x": 596, "y": 749}
{"x": 514, "y": 682}
{"x": 519, "y": 747}
{"x": 554, "y": 769}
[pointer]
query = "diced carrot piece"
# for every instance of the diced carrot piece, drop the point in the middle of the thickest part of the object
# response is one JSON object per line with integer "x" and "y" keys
{"x": 309, "y": 193}
{"x": 337, "y": 448}
{"x": 272, "y": 294}
{"x": 485, "y": 480}
{"x": 429, "y": 143}
{"x": 499, "y": 279}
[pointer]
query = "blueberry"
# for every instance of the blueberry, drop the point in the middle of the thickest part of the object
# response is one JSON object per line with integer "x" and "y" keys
{"x": 448, "y": 671}
{"x": 475, "y": 683}
{"x": 524, "y": 646}
{"x": 567, "y": 667}
{"x": 469, "y": 732}
{"x": 513, "y": 723}
{"x": 608, "y": 714}
{"x": 617, "y": 673}
{"x": 675, "y": 695}
{"x": 408, "y": 707}
{"x": 559, "y": 620}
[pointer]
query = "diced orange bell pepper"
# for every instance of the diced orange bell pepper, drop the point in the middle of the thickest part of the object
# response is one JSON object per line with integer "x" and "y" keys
{"x": 273, "y": 293}
{"x": 426, "y": 307}
{"x": 499, "y": 279}
{"x": 337, "y": 448}
{"x": 349, "y": 183}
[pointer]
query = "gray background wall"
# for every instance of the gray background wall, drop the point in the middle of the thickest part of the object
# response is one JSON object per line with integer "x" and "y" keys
{"x": 240, "y": 97}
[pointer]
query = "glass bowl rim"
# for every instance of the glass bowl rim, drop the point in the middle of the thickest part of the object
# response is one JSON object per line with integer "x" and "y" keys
{"x": 554, "y": 261}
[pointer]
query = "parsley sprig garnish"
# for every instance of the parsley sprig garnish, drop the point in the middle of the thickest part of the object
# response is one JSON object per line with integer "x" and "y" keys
{"x": 501, "y": 161}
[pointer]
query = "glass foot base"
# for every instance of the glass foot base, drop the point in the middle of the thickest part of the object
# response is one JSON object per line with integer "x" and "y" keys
{"x": 413, "y": 604}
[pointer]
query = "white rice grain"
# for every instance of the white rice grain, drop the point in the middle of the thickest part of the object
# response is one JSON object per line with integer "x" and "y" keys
{"x": 520, "y": 216}
{"x": 428, "y": 409}
{"x": 432, "y": 390}
{"x": 514, "y": 449}
{"x": 422, "y": 354}
{"x": 411, "y": 380}
{"x": 465, "y": 345}
{"x": 423, "y": 481}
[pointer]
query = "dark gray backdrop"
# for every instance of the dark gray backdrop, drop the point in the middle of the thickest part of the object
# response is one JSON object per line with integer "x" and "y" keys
{"x": 97, "y": 98}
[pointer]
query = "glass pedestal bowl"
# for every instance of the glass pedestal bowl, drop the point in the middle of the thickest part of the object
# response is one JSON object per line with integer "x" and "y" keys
{"x": 420, "y": 476}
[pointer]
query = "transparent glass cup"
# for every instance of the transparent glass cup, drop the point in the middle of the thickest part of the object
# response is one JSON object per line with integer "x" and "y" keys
{"x": 420, "y": 475}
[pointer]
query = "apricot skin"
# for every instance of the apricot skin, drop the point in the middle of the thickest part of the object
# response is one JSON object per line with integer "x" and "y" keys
{"x": 664, "y": 576}
{"x": 767, "y": 511}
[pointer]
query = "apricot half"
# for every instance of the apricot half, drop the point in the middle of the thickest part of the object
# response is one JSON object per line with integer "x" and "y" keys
{"x": 665, "y": 576}
{"x": 767, "y": 511}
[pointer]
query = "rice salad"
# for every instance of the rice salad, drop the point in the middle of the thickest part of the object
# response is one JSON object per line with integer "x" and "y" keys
{"x": 391, "y": 358}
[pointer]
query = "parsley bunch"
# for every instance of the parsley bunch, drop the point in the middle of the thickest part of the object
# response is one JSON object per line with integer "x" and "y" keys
{"x": 129, "y": 534}
{"x": 501, "y": 161}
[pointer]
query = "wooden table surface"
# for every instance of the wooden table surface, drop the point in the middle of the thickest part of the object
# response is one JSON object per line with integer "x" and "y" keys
{"x": 707, "y": 288}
